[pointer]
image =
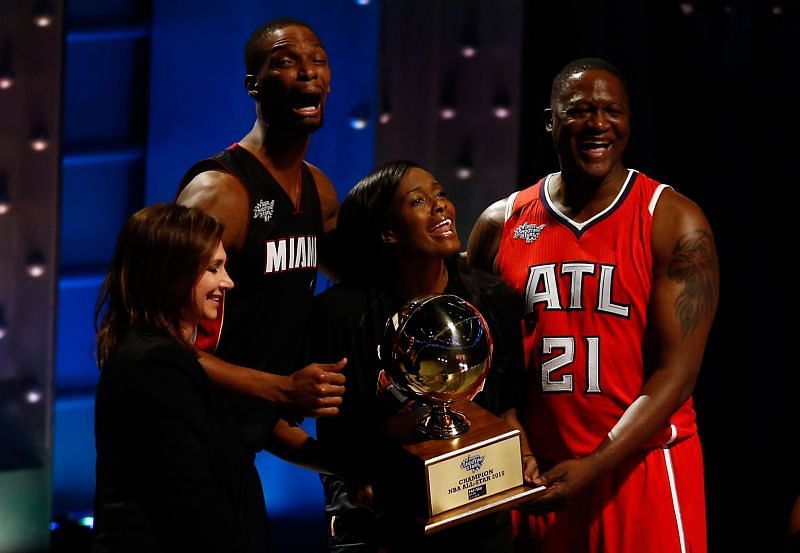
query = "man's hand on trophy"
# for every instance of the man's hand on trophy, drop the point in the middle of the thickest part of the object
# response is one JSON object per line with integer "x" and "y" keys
{"x": 316, "y": 390}
{"x": 562, "y": 482}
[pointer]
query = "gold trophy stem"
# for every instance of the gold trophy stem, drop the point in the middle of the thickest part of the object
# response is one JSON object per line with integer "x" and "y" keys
{"x": 442, "y": 423}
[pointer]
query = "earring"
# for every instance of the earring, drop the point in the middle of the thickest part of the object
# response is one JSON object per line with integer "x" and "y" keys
{"x": 251, "y": 85}
{"x": 548, "y": 119}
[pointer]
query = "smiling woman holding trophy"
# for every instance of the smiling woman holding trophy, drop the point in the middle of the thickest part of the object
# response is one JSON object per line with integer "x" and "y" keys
{"x": 399, "y": 244}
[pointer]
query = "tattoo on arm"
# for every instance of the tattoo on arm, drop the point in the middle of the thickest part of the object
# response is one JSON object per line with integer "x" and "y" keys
{"x": 693, "y": 262}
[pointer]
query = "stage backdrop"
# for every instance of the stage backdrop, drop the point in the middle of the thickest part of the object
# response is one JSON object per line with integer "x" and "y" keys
{"x": 713, "y": 89}
{"x": 166, "y": 90}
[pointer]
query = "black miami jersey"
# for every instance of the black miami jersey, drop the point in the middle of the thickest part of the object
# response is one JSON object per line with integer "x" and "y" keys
{"x": 262, "y": 321}
{"x": 274, "y": 273}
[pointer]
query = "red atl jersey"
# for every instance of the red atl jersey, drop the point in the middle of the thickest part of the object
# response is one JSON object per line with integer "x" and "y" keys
{"x": 586, "y": 288}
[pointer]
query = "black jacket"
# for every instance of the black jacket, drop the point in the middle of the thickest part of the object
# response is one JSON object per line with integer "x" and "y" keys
{"x": 172, "y": 474}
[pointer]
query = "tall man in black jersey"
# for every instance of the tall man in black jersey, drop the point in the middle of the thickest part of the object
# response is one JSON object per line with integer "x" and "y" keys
{"x": 276, "y": 208}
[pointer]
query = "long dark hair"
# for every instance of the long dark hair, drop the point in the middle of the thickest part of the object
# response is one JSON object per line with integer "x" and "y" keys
{"x": 363, "y": 258}
{"x": 161, "y": 252}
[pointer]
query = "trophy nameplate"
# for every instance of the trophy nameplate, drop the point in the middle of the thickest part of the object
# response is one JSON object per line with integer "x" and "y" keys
{"x": 447, "y": 482}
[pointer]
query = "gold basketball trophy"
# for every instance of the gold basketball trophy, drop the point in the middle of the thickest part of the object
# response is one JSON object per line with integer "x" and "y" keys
{"x": 456, "y": 461}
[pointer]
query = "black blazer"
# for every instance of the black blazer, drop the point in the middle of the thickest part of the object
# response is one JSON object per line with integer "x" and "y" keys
{"x": 172, "y": 474}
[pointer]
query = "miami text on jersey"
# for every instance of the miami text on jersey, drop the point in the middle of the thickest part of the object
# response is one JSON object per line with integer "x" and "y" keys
{"x": 287, "y": 254}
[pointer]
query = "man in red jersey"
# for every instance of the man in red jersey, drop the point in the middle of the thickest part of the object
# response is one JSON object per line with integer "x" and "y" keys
{"x": 620, "y": 282}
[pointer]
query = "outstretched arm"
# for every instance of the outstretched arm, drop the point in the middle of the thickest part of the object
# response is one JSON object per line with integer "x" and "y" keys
{"x": 316, "y": 390}
{"x": 484, "y": 241}
{"x": 293, "y": 444}
{"x": 683, "y": 301}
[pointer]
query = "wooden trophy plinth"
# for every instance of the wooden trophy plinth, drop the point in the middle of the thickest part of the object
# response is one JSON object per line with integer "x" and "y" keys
{"x": 450, "y": 481}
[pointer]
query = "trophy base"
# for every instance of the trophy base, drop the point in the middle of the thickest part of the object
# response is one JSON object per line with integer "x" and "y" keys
{"x": 482, "y": 507}
{"x": 445, "y": 482}
{"x": 442, "y": 423}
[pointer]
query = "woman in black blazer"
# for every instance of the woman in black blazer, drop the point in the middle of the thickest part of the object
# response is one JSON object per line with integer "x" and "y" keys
{"x": 172, "y": 474}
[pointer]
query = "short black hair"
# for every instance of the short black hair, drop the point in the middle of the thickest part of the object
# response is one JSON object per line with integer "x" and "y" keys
{"x": 578, "y": 66}
{"x": 254, "y": 53}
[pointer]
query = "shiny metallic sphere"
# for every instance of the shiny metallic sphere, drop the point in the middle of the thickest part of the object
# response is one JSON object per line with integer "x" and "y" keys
{"x": 437, "y": 349}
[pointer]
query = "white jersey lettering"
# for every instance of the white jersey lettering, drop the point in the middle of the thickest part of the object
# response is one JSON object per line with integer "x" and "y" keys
{"x": 543, "y": 287}
{"x": 287, "y": 254}
{"x": 604, "y": 302}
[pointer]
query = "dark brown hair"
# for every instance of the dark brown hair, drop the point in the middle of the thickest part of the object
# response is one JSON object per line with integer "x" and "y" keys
{"x": 161, "y": 252}
{"x": 361, "y": 253}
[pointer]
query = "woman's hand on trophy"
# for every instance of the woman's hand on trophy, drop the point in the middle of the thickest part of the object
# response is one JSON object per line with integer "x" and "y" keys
{"x": 530, "y": 466}
{"x": 530, "y": 469}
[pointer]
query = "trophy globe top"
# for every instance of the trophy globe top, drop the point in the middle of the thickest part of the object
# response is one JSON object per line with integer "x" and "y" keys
{"x": 437, "y": 349}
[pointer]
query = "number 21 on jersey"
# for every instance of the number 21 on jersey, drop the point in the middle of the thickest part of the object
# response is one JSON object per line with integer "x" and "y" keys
{"x": 566, "y": 344}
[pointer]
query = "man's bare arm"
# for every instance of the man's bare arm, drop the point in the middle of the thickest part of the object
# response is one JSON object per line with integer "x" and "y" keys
{"x": 219, "y": 194}
{"x": 314, "y": 391}
{"x": 683, "y": 301}
{"x": 484, "y": 241}
{"x": 329, "y": 204}
{"x": 328, "y": 200}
